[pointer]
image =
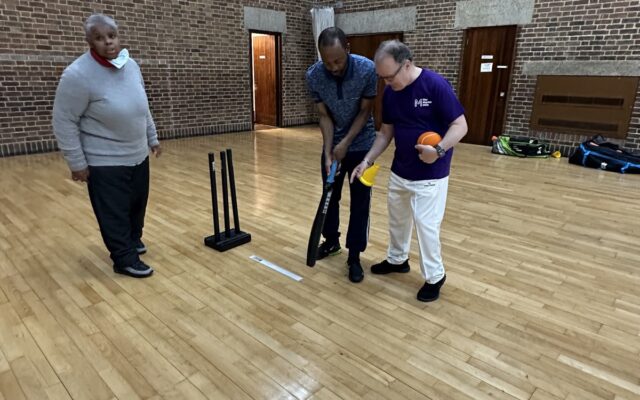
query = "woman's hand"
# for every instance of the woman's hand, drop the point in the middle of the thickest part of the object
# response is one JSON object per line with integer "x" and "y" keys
{"x": 156, "y": 150}
{"x": 81, "y": 176}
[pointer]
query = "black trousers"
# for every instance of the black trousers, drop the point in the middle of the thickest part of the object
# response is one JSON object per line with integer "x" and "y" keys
{"x": 119, "y": 198}
{"x": 358, "y": 230}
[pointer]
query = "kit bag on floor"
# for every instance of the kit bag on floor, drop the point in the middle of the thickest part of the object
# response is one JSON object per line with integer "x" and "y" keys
{"x": 599, "y": 153}
{"x": 520, "y": 146}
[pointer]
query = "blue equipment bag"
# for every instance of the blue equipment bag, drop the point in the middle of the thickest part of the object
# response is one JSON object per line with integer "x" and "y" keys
{"x": 599, "y": 153}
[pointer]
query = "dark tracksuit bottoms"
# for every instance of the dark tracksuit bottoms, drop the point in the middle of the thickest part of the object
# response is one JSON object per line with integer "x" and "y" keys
{"x": 119, "y": 199}
{"x": 358, "y": 230}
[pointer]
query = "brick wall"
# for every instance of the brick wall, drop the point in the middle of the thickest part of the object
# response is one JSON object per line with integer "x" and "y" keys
{"x": 568, "y": 30}
{"x": 194, "y": 56}
{"x": 574, "y": 30}
{"x": 435, "y": 43}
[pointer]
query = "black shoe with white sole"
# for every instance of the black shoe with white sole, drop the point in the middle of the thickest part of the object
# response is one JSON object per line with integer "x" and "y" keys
{"x": 137, "y": 270}
{"x": 140, "y": 247}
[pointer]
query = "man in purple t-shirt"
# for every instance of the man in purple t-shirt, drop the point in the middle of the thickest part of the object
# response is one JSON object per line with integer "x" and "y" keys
{"x": 415, "y": 100}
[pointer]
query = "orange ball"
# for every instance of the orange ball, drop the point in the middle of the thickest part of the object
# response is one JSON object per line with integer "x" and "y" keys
{"x": 429, "y": 138}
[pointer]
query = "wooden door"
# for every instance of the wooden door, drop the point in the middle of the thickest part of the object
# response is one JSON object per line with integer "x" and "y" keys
{"x": 366, "y": 45}
{"x": 485, "y": 77}
{"x": 264, "y": 79}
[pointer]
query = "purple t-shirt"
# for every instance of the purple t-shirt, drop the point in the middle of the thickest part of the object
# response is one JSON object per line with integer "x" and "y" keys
{"x": 427, "y": 104}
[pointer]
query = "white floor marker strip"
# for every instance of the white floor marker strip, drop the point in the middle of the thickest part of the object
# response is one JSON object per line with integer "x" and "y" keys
{"x": 274, "y": 267}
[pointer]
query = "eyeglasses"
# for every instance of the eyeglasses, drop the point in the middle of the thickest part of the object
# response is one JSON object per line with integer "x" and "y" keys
{"x": 390, "y": 77}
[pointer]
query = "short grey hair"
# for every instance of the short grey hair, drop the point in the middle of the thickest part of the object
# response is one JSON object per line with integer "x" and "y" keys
{"x": 394, "y": 48}
{"x": 97, "y": 20}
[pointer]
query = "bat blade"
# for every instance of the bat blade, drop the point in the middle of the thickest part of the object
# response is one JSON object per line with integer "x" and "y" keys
{"x": 316, "y": 228}
{"x": 321, "y": 213}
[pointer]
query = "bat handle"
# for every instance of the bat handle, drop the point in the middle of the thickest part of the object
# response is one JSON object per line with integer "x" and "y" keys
{"x": 332, "y": 172}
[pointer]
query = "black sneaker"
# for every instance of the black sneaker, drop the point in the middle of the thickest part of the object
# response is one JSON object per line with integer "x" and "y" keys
{"x": 386, "y": 267}
{"x": 137, "y": 270}
{"x": 140, "y": 247}
{"x": 326, "y": 250}
{"x": 431, "y": 291}
{"x": 356, "y": 274}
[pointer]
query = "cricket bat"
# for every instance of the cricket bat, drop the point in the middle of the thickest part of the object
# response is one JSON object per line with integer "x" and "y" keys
{"x": 321, "y": 213}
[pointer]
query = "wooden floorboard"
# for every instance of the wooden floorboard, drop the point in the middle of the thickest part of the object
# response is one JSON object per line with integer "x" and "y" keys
{"x": 541, "y": 301}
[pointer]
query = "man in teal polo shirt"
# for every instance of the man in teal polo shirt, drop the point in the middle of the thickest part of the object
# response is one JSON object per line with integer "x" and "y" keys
{"x": 343, "y": 86}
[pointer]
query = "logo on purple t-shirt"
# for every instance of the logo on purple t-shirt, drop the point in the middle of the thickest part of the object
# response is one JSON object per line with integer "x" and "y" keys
{"x": 422, "y": 102}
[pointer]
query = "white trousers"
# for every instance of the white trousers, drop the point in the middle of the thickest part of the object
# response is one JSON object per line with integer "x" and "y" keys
{"x": 421, "y": 203}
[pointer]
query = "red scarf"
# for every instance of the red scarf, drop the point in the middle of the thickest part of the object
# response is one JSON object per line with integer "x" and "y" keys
{"x": 101, "y": 60}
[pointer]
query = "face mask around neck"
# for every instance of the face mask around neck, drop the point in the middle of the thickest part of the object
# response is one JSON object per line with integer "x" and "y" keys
{"x": 121, "y": 60}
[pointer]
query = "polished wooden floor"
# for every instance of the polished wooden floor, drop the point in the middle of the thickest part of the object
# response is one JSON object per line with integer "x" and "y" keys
{"x": 542, "y": 299}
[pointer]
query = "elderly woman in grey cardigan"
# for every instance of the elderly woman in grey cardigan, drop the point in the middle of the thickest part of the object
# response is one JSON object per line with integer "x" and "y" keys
{"x": 103, "y": 125}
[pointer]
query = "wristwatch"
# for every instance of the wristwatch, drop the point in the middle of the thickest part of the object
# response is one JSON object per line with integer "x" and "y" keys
{"x": 441, "y": 152}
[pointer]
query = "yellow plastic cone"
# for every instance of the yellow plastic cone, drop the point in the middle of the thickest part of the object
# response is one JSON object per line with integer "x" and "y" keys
{"x": 368, "y": 177}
